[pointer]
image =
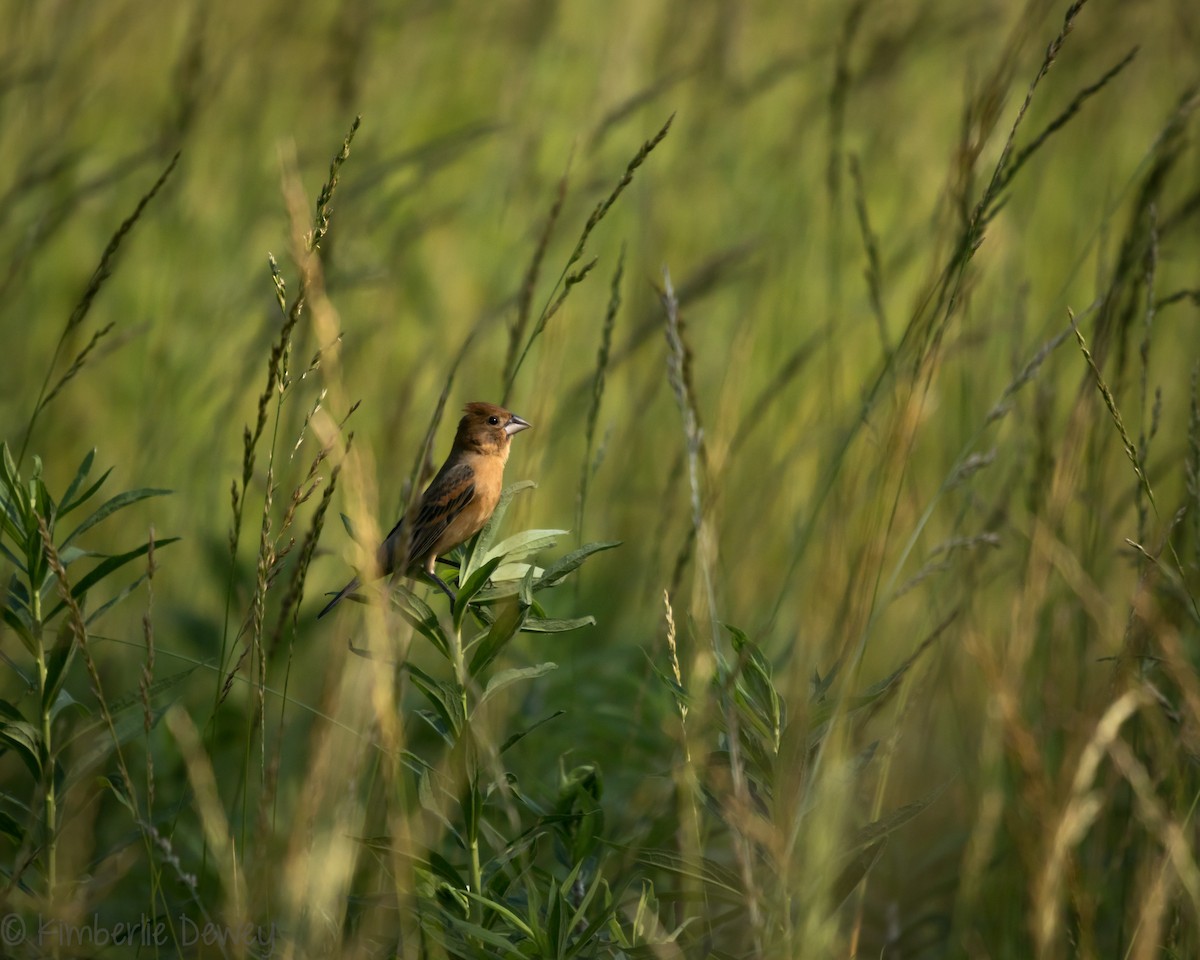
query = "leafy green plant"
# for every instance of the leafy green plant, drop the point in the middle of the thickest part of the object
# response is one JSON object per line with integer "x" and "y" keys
{"x": 52, "y": 630}
{"x": 490, "y": 887}
{"x": 759, "y": 783}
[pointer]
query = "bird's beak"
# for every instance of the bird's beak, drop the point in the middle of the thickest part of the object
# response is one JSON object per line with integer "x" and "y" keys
{"x": 516, "y": 425}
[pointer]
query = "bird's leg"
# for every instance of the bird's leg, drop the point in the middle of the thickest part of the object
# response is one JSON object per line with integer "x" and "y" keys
{"x": 442, "y": 583}
{"x": 449, "y": 562}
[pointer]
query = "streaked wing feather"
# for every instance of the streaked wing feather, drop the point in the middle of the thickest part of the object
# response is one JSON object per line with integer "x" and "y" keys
{"x": 445, "y": 499}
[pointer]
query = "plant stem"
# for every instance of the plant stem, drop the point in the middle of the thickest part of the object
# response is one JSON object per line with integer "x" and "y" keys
{"x": 470, "y": 773}
{"x": 50, "y": 798}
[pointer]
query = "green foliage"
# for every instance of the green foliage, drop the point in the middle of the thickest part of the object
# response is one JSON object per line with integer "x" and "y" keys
{"x": 52, "y": 634}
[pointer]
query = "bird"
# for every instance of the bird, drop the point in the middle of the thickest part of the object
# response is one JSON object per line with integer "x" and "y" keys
{"x": 456, "y": 504}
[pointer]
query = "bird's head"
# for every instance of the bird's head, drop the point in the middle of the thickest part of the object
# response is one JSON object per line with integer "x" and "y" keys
{"x": 487, "y": 428}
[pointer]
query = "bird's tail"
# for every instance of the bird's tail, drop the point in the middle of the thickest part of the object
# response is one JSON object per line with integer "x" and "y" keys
{"x": 345, "y": 591}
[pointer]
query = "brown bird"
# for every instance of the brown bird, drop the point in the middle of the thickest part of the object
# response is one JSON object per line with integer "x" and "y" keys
{"x": 457, "y": 503}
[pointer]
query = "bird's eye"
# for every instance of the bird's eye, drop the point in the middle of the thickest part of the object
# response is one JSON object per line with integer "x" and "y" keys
{"x": 494, "y": 421}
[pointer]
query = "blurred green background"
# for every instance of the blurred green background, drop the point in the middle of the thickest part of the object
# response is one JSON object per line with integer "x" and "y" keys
{"x": 838, "y": 400}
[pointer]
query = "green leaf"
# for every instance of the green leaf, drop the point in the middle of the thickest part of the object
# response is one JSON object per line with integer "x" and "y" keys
{"x": 65, "y": 507}
{"x": 12, "y": 484}
{"x": 503, "y": 629}
{"x": 120, "y": 789}
{"x": 23, "y": 739}
{"x": 756, "y": 686}
{"x": 10, "y": 827}
{"x": 594, "y": 927}
{"x": 64, "y": 701}
{"x": 525, "y": 591}
{"x": 127, "y": 722}
{"x": 110, "y": 507}
{"x": 85, "y": 468}
{"x": 560, "y": 568}
{"x": 474, "y": 931}
{"x": 45, "y": 502}
{"x": 418, "y": 613}
{"x": 514, "y": 572}
{"x": 504, "y": 911}
{"x": 102, "y": 570}
{"x": 715, "y": 877}
{"x": 58, "y": 663}
{"x": 16, "y": 536}
{"x": 436, "y": 723}
{"x": 19, "y": 627}
{"x": 554, "y": 625}
{"x": 443, "y": 868}
{"x": 515, "y": 738}
{"x": 132, "y": 704}
{"x": 508, "y": 677}
{"x": 474, "y": 583}
{"x": 114, "y": 600}
{"x": 880, "y": 829}
{"x": 854, "y": 872}
{"x": 524, "y": 544}
{"x": 429, "y": 801}
{"x": 443, "y": 698}
{"x": 72, "y": 554}
{"x": 553, "y": 934}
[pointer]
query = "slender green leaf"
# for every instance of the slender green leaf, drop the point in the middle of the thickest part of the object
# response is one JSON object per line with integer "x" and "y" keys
{"x": 477, "y": 932}
{"x": 553, "y": 935}
{"x": 560, "y": 568}
{"x": 418, "y": 613}
{"x": 596, "y": 924}
{"x": 505, "y": 911}
{"x": 443, "y": 868}
{"x": 525, "y": 592}
{"x": 57, "y": 663}
{"x": 98, "y": 741}
{"x": 65, "y": 507}
{"x": 11, "y": 828}
{"x": 12, "y": 527}
{"x": 63, "y": 702}
{"x": 443, "y": 700}
{"x": 518, "y": 736}
{"x": 114, "y": 600}
{"x": 554, "y": 625}
{"x": 19, "y": 627}
{"x": 507, "y": 677}
{"x": 120, "y": 790}
{"x": 854, "y": 872}
{"x": 472, "y": 586}
{"x": 7, "y": 468}
{"x": 882, "y": 828}
{"x": 12, "y": 483}
{"x": 72, "y": 554}
{"x": 110, "y": 507}
{"x": 503, "y": 629}
{"x": 524, "y": 544}
{"x": 758, "y": 687}
{"x": 514, "y": 572}
{"x": 429, "y": 801}
{"x": 102, "y": 570}
{"x": 24, "y": 740}
{"x": 85, "y": 467}
{"x": 712, "y": 874}
{"x": 44, "y": 501}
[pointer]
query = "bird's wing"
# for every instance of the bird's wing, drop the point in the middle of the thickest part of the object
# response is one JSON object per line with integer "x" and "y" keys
{"x": 452, "y": 489}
